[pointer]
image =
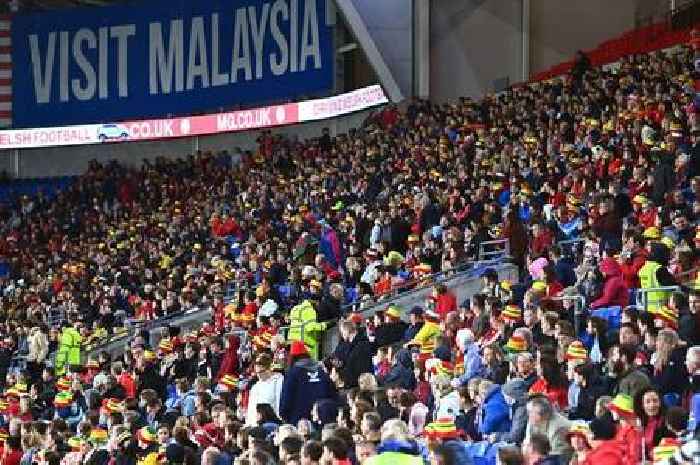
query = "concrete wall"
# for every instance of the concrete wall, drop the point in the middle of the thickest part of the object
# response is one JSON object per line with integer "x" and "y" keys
{"x": 63, "y": 161}
{"x": 560, "y": 28}
{"x": 473, "y": 43}
{"x": 389, "y": 24}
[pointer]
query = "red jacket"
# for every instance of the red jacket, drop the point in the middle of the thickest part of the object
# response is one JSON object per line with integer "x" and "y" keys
{"x": 606, "y": 453}
{"x": 558, "y": 396}
{"x": 12, "y": 458}
{"x": 554, "y": 288}
{"x": 647, "y": 218}
{"x": 630, "y": 268}
{"x": 127, "y": 382}
{"x": 445, "y": 303}
{"x": 615, "y": 292}
{"x": 542, "y": 242}
{"x": 631, "y": 440}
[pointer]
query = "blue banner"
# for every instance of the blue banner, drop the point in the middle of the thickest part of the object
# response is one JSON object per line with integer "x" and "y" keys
{"x": 169, "y": 57}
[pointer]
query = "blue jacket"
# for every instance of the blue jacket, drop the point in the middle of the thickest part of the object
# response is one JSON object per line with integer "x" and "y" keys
{"x": 495, "y": 412}
{"x": 473, "y": 365}
{"x": 305, "y": 383}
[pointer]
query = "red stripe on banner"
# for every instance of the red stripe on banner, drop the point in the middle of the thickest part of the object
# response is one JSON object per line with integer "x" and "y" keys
{"x": 4, "y": 33}
{"x": 5, "y": 114}
{"x": 5, "y": 82}
{"x": 5, "y": 98}
{"x": 5, "y": 65}
{"x": 6, "y": 49}
{"x": 5, "y": 17}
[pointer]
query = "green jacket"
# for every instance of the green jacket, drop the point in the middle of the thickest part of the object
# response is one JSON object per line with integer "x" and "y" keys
{"x": 68, "y": 349}
{"x": 304, "y": 327}
{"x": 647, "y": 280}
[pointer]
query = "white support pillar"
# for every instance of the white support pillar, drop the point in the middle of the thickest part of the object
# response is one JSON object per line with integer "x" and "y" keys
{"x": 359, "y": 30}
{"x": 526, "y": 40}
{"x": 421, "y": 48}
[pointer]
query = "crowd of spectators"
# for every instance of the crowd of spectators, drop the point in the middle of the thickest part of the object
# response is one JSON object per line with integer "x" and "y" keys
{"x": 592, "y": 179}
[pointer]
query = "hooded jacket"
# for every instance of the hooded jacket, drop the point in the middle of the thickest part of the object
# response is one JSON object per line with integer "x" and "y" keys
{"x": 305, "y": 383}
{"x": 495, "y": 416}
{"x": 473, "y": 364}
{"x": 516, "y": 389}
{"x": 402, "y": 372}
{"x": 615, "y": 292}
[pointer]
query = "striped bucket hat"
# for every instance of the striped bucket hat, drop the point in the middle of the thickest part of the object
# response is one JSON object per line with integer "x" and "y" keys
{"x": 442, "y": 428}
{"x": 64, "y": 384}
{"x": 666, "y": 315}
{"x": 623, "y": 405}
{"x": 665, "y": 450}
{"x": 98, "y": 436}
{"x": 147, "y": 435}
{"x": 515, "y": 345}
{"x": 63, "y": 399}
{"x": 112, "y": 405}
{"x": 512, "y": 313}
{"x": 576, "y": 351}
{"x": 443, "y": 367}
{"x": 165, "y": 347}
{"x": 230, "y": 381}
{"x": 76, "y": 443}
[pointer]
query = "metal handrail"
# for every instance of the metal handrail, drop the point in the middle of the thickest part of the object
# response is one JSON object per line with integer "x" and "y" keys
{"x": 496, "y": 252}
{"x": 642, "y": 298}
{"x": 579, "y": 307}
{"x": 404, "y": 289}
{"x": 415, "y": 284}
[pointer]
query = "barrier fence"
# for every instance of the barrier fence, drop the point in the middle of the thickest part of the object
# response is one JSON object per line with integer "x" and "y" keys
{"x": 464, "y": 280}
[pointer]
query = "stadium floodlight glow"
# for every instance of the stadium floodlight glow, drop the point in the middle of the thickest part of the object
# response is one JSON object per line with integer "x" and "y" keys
{"x": 187, "y": 126}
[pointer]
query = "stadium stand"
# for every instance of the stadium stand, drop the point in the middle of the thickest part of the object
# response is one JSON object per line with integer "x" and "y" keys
{"x": 588, "y": 185}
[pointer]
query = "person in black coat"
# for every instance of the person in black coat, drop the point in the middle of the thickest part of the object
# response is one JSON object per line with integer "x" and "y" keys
{"x": 329, "y": 306}
{"x": 589, "y": 390}
{"x": 148, "y": 377}
{"x": 671, "y": 376}
{"x": 392, "y": 330}
{"x": 416, "y": 323}
{"x": 400, "y": 230}
{"x": 358, "y": 359}
{"x": 664, "y": 178}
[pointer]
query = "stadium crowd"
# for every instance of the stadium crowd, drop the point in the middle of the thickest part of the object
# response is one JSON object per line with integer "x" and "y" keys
{"x": 557, "y": 368}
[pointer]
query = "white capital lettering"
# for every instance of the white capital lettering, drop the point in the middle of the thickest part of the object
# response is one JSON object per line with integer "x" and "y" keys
{"x": 162, "y": 64}
{"x": 258, "y": 31}
{"x": 279, "y": 63}
{"x": 42, "y": 79}
{"x": 240, "y": 56}
{"x": 197, "y": 64}
{"x": 217, "y": 78}
{"x": 87, "y": 91}
{"x": 309, "y": 36}
{"x": 122, "y": 34}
